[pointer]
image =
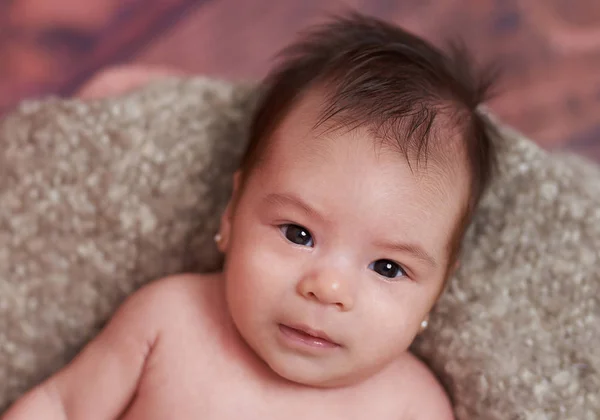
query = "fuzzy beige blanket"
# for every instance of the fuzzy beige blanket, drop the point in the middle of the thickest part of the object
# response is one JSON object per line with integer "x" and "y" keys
{"x": 98, "y": 198}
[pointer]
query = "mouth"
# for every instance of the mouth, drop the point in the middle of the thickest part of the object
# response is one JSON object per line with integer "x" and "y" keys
{"x": 304, "y": 335}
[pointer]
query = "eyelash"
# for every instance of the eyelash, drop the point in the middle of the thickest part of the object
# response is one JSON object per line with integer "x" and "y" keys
{"x": 284, "y": 228}
{"x": 305, "y": 234}
{"x": 397, "y": 267}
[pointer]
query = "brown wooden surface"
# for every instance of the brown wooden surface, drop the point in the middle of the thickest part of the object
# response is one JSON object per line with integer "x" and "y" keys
{"x": 550, "y": 49}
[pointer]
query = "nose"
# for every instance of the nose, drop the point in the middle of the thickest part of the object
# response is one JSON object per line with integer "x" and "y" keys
{"x": 327, "y": 288}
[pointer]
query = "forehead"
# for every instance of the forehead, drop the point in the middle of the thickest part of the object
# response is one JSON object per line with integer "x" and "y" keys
{"x": 303, "y": 136}
{"x": 358, "y": 179}
{"x": 312, "y": 117}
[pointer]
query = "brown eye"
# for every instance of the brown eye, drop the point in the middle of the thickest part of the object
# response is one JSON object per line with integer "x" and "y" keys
{"x": 297, "y": 234}
{"x": 387, "y": 268}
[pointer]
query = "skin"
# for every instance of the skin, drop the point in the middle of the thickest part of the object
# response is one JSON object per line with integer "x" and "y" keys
{"x": 313, "y": 300}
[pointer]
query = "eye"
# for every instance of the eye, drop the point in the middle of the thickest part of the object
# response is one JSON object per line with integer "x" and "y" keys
{"x": 297, "y": 234}
{"x": 387, "y": 268}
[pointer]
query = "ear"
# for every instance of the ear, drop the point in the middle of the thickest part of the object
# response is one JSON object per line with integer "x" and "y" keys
{"x": 227, "y": 216}
{"x": 451, "y": 270}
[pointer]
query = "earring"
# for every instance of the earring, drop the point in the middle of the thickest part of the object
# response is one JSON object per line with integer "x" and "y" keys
{"x": 424, "y": 324}
{"x": 218, "y": 238}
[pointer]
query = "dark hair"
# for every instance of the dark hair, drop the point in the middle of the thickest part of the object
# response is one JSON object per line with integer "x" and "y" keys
{"x": 376, "y": 74}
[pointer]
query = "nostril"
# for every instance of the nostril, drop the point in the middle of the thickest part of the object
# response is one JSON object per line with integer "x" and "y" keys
{"x": 339, "y": 305}
{"x": 312, "y": 295}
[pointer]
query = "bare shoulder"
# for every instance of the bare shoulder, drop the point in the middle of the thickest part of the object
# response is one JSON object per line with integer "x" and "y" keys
{"x": 116, "y": 357}
{"x": 178, "y": 286}
{"x": 153, "y": 307}
{"x": 159, "y": 309}
{"x": 425, "y": 396}
{"x": 178, "y": 293}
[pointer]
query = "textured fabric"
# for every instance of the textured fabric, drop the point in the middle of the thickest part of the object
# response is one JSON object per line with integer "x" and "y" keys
{"x": 517, "y": 335}
{"x": 98, "y": 198}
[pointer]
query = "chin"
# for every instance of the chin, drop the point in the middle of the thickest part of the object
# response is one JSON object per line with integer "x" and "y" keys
{"x": 311, "y": 375}
{"x": 304, "y": 378}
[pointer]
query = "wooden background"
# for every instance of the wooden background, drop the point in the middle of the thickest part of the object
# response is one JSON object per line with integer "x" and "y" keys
{"x": 550, "y": 49}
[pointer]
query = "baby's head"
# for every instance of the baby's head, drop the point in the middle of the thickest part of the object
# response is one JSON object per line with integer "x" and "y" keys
{"x": 366, "y": 161}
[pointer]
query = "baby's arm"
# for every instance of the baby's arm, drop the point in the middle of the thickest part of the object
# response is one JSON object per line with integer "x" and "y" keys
{"x": 100, "y": 382}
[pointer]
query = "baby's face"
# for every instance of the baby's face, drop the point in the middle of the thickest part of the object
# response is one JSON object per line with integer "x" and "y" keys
{"x": 336, "y": 251}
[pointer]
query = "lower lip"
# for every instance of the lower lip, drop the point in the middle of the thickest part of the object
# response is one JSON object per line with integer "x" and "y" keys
{"x": 300, "y": 338}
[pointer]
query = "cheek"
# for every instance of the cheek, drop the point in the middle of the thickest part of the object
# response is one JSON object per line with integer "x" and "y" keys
{"x": 259, "y": 267}
{"x": 391, "y": 319}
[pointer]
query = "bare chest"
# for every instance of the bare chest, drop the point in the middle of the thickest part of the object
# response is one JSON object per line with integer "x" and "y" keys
{"x": 191, "y": 378}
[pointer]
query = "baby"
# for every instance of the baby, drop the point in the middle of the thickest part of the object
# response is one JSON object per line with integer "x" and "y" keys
{"x": 366, "y": 161}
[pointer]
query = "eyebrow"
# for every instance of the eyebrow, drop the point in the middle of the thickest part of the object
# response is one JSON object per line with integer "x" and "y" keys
{"x": 282, "y": 199}
{"x": 408, "y": 248}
